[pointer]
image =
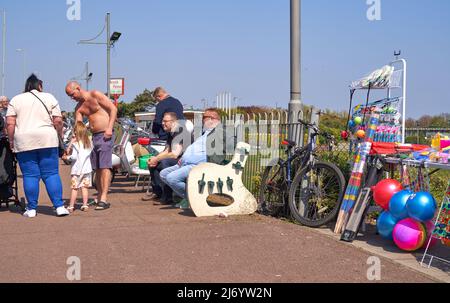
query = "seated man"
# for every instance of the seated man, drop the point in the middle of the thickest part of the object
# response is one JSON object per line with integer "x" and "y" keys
{"x": 167, "y": 158}
{"x": 195, "y": 154}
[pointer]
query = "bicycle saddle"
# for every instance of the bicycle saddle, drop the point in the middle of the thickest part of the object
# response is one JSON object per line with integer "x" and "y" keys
{"x": 288, "y": 143}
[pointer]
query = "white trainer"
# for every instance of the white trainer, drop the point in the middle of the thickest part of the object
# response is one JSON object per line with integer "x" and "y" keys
{"x": 30, "y": 213}
{"x": 62, "y": 211}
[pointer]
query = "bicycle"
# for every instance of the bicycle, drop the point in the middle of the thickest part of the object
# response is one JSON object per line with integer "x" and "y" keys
{"x": 301, "y": 186}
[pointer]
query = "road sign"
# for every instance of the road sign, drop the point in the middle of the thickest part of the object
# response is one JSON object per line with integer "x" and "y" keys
{"x": 117, "y": 86}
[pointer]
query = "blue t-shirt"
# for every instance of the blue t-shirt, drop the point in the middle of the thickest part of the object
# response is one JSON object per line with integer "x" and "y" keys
{"x": 167, "y": 105}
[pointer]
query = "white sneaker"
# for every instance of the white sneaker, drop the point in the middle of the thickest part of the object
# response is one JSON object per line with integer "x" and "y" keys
{"x": 62, "y": 211}
{"x": 30, "y": 213}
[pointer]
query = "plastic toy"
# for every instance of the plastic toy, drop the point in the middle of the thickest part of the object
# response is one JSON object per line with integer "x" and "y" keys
{"x": 421, "y": 206}
{"x": 385, "y": 225}
{"x": 397, "y": 204}
{"x": 361, "y": 134}
{"x": 384, "y": 190}
{"x": 409, "y": 234}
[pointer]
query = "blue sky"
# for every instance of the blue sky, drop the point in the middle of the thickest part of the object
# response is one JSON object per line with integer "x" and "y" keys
{"x": 199, "y": 48}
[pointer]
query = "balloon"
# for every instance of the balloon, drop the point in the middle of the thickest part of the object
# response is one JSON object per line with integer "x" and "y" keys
{"x": 397, "y": 204}
{"x": 351, "y": 124}
{"x": 344, "y": 135}
{"x": 384, "y": 190}
{"x": 421, "y": 206}
{"x": 361, "y": 134}
{"x": 358, "y": 120}
{"x": 385, "y": 225}
{"x": 409, "y": 234}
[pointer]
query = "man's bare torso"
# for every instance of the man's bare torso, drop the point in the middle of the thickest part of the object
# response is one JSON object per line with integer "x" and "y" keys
{"x": 98, "y": 117}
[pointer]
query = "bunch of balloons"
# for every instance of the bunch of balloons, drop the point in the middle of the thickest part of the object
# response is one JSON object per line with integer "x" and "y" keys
{"x": 407, "y": 216}
{"x": 355, "y": 126}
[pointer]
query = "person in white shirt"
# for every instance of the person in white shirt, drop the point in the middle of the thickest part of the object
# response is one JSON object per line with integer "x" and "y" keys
{"x": 80, "y": 153}
{"x": 33, "y": 122}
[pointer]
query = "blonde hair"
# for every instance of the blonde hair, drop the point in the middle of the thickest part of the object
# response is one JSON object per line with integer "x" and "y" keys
{"x": 81, "y": 133}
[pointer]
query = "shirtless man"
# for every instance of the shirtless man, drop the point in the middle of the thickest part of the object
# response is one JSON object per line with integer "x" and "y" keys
{"x": 102, "y": 114}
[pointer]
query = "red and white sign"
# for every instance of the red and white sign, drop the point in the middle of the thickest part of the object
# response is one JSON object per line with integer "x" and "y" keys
{"x": 117, "y": 86}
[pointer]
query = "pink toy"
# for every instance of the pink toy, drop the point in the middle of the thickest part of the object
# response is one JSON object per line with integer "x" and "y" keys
{"x": 445, "y": 143}
{"x": 409, "y": 234}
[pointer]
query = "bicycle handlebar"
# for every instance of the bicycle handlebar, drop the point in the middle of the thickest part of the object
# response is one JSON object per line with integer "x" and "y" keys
{"x": 316, "y": 130}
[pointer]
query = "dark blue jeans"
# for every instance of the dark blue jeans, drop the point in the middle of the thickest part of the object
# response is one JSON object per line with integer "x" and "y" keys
{"x": 161, "y": 189}
{"x": 41, "y": 164}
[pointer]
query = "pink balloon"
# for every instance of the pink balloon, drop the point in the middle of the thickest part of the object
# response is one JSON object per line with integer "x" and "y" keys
{"x": 409, "y": 234}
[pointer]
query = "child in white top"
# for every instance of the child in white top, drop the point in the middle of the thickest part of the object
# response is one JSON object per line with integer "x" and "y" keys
{"x": 80, "y": 151}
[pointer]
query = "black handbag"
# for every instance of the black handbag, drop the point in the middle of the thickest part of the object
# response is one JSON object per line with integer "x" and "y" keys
{"x": 61, "y": 145}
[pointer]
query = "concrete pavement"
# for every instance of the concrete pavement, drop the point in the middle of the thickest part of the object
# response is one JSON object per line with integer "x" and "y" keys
{"x": 136, "y": 241}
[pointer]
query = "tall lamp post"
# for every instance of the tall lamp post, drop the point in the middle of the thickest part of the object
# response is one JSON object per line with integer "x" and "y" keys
{"x": 21, "y": 50}
{"x": 110, "y": 40}
{"x": 295, "y": 104}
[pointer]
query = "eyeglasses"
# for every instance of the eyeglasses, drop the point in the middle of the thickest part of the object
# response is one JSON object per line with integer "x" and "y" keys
{"x": 166, "y": 121}
{"x": 210, "y": 117}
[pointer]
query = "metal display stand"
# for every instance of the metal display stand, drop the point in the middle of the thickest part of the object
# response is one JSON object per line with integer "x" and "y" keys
{"x": 396, "y": 82}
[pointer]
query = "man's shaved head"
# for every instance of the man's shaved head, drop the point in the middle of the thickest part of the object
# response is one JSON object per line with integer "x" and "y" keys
{"x": 73, "y": 90}
{"x": 71, "y": 85}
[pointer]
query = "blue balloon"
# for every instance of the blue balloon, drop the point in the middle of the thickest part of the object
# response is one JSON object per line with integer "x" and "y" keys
{"x": 397, "y": 204}
{"x": 385, "y": 225}
{"x": 351, "y": 124}
{"x": 421, "y": 206}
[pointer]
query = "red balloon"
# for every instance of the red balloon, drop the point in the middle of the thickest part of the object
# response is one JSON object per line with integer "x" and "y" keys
{"x": 384, "y": 190}
{"x": 344, "y": 135}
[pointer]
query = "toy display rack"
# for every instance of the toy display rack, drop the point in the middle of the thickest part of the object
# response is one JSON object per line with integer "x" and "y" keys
{"x": 396, "y": 82}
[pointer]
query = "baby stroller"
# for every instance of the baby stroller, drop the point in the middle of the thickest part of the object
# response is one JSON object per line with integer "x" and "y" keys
{"x": 8, "y": 175}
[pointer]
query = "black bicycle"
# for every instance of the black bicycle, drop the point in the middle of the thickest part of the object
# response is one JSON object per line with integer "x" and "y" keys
{"x": 301, "y": 186}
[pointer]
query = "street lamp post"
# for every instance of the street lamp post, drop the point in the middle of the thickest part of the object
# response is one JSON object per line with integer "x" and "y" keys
{"x": 21, "y": 50}
{"x": 295, "y": 104}
{"x": 110, "y": 40}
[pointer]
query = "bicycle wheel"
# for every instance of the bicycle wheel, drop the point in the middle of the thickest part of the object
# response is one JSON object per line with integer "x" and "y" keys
{"x": 273, "y": 191}
{"x": 316, "y": 194}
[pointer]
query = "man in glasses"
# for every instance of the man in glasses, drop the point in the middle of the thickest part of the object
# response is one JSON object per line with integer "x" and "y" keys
{"x": 166, "y": 104}
{"x": 177, "y": 142}
{"x": 195, "y": 154}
